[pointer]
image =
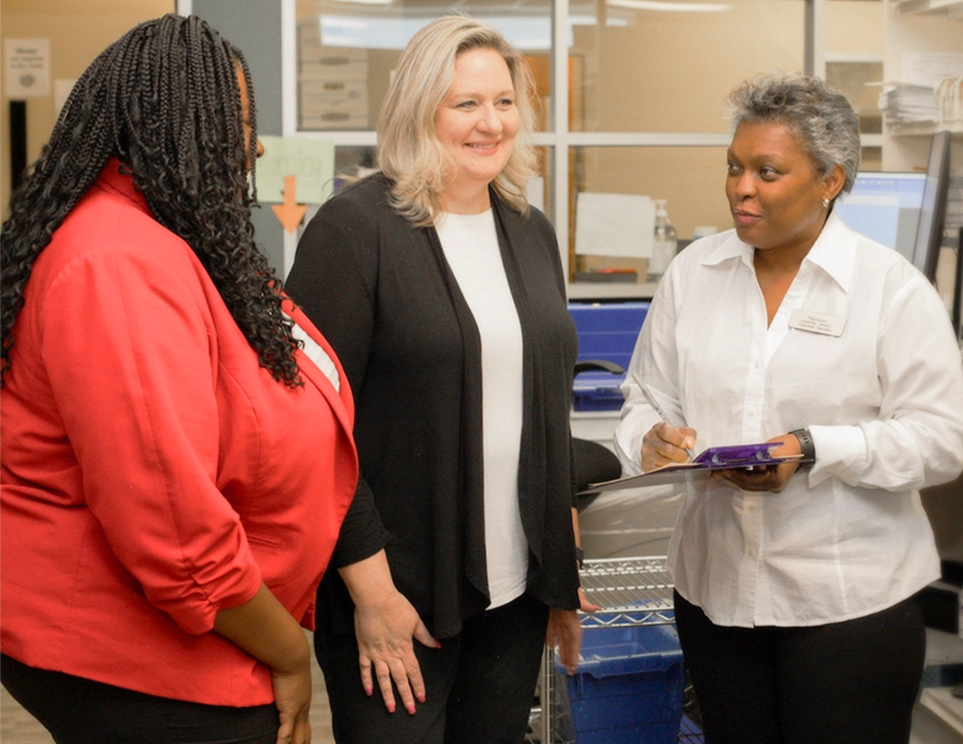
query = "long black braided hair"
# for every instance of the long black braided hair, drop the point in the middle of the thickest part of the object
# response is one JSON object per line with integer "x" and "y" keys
{"x": 165, "y": 101}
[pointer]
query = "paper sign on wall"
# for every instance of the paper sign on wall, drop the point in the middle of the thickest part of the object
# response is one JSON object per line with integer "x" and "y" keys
{"x": 311, "y": 161}
{"x": 614, "y": 225}
{"x": 26, "y": 65}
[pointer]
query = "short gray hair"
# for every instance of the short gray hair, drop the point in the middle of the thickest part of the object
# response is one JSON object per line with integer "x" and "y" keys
{"x": 818, "y": 114}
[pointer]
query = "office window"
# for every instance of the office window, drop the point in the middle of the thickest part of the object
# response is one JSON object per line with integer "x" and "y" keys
{"x": 855, "y": 34}
{"x": 627, "y": 103}
{"x": 642, "y": 66}
{"x": 346, "y": 52}
{"x": 612, "y": 184}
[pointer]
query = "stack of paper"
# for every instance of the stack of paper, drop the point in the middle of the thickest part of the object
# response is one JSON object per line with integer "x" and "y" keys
{"x": 949, "y": 93}
{"x": 905, "y": 103}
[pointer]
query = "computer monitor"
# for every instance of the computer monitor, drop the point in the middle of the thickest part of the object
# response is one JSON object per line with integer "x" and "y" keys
{"x": 885, "y": 207}
{"x": 929, "y": 234}
{"x": 957, "y": 313}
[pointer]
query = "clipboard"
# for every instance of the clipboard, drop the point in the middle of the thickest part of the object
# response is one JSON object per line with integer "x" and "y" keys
{"x": 730, "y": 457}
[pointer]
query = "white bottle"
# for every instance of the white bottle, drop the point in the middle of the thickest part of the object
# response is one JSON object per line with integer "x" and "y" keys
{"x": 663, "y": 245}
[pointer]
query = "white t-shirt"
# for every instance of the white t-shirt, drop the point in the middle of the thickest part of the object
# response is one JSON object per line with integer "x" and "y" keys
{"x": 471, "y": 248}
{"x": 883, "y": 401}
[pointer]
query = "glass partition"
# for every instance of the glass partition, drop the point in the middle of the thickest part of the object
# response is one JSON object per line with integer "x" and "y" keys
{"x": 620, "y": 185}
{"x": 640, "y": 65}
{"x": 628, "y": 104}
{"x": 346, "y": 51}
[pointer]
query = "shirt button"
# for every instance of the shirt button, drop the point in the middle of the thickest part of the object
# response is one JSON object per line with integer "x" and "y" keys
{"x": 752, "y": 553}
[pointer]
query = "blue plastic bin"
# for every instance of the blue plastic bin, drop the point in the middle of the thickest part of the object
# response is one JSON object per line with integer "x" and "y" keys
{"x": 605, "y": 331}
{"x": 597, "y": 391}
{"x": 628, "y": 687}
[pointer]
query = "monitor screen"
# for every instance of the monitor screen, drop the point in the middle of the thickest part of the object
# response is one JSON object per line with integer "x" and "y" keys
{"x": 885, "y": 207}
{"x": 957, "y": 311}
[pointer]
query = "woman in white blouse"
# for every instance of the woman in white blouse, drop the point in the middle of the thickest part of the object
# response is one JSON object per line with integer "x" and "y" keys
{"x": 796, "y": 584}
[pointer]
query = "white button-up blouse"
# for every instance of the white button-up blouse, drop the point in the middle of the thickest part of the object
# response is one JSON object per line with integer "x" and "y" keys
{"x": 879, "y": 384}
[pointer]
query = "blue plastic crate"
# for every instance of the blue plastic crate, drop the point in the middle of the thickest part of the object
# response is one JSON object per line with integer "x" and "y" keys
{"x": 608, "y": 317}
{"x": 628, "y": 687}
{"x": 597, "y": 391}
{"x": 605, "y": 331}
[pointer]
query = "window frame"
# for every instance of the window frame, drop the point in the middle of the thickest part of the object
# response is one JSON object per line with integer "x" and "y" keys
{"x": 559, "y": 140}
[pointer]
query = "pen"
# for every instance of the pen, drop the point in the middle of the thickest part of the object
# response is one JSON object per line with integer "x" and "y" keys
{"x": 658, "y": 409}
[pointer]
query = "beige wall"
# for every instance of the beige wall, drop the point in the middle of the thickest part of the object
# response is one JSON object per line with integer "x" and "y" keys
{"x": 78, "y": 30}
{"x": 855, "y": 27}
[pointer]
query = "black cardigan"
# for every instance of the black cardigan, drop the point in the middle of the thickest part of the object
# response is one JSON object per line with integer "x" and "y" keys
{"x": 384, "y": 296}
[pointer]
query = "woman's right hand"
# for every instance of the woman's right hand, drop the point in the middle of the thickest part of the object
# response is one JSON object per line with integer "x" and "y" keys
{"x": 385, "y": 630}
{"x": 386, "y": 625}
{"x": 666, "y": 445}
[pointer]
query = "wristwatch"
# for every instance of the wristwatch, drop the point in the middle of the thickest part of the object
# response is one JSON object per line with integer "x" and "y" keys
{"x": 808, "y": 447}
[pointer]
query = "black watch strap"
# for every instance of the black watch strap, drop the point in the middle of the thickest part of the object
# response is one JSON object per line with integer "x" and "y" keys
{"x": 808, "y": 447}
{"x": 580, "y": 557}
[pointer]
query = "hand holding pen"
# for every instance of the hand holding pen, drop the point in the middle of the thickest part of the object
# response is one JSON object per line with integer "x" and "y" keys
{"x": 665, "y": 444}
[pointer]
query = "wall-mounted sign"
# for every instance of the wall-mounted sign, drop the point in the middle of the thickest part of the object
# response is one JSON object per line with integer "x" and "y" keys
{"x": 26, "y": 64}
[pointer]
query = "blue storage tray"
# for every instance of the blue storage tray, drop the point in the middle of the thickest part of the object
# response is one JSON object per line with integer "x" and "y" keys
{"x": 609, "y": 332}
{"x": 608, "y": 317}
{"x": 597, "y": 391}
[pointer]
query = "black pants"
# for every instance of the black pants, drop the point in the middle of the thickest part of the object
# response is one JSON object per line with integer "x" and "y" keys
{"x": 79, "y": 711}
{"x": 853, "y": 682}
{"x": 479, "y": 684}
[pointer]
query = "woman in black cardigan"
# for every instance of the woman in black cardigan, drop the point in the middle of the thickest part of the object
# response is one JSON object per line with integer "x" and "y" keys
{"x": 442, "y": 292}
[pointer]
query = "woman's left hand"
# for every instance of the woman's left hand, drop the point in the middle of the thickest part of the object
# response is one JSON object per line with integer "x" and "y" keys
{"x": 266, "y": 630}
{"x": 292, "y": 695}
{"x": 766, "y": 477}
{"x": 565, "y": 630}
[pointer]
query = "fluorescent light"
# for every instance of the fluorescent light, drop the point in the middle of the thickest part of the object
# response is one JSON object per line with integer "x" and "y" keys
{"x": 682, "y": 7}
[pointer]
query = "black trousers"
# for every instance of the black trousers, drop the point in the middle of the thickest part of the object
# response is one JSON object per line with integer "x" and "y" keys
{"x": 479, "y": 685}
{"x": 853, "y": 682}
{"x": 79, "y": 711}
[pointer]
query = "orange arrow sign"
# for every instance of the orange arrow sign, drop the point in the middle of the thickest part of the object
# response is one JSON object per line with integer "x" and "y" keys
{"x": 290, "y": 213}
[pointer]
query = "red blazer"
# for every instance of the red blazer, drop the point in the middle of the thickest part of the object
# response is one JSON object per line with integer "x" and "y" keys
{"x": 152, "y": 472}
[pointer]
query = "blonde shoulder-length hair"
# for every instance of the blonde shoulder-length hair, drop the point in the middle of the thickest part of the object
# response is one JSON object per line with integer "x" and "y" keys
{"x": 409, "y": 151}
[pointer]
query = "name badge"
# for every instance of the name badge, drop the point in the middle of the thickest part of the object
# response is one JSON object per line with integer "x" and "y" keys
{"x": 813, "y": 322}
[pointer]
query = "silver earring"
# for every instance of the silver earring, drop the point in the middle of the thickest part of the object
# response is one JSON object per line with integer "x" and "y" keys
{"x": 825, "y": 202}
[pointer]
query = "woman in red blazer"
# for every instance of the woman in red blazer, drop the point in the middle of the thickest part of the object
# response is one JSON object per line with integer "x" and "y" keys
{"x": 176, "y": 436}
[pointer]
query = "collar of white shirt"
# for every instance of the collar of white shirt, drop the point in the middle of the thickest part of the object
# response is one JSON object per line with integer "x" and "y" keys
{"x": 834, "y": 251}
